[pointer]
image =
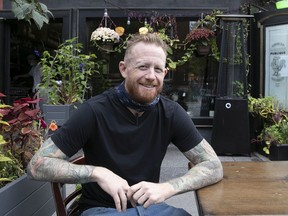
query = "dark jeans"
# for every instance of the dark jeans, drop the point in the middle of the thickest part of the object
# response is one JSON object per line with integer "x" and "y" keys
{"x": 159, "y": 209}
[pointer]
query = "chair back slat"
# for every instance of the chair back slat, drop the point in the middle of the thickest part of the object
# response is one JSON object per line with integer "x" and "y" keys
{"x": 66, "y": 206}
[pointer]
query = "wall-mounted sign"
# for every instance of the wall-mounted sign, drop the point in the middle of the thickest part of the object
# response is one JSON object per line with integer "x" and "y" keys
{"x": 276, "y": 62}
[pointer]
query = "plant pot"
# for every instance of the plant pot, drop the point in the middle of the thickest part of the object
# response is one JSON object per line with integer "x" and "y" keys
{"x": 26, "y": 197}
{"x": 203, "y": 50}
{"x": 278, "y": 152}
{"x": 106, "y": 48}
{"x": 58, "y": 113}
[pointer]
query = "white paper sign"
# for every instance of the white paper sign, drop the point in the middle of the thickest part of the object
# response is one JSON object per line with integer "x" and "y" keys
{"x": 276, "y": 60}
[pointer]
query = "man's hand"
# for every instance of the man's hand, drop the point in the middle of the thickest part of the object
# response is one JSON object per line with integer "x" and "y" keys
{"x": 114, "y": 185}
{"x": 147, "y": 193}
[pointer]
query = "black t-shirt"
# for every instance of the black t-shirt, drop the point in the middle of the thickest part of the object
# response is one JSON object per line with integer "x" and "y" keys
{"x": 130, "y": 146}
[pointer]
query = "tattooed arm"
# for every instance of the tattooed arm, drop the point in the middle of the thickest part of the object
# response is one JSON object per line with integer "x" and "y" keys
{"x": 50, "y": 164}
{"x": 207, "y": 169}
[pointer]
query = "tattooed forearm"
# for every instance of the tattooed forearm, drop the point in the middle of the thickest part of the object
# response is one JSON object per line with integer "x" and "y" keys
{"x": 49, "y": 164}
{"x": 58, "y": 170}
{"x": 206, "y": 170}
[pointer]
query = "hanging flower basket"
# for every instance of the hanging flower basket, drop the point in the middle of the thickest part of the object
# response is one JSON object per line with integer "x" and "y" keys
{"x": 106, "y": 47}
{"x": 202, "y": 38}
{"x": 104, "y": 39}
{"x": 200, "y": 35}
{"x": 203, "y": 50}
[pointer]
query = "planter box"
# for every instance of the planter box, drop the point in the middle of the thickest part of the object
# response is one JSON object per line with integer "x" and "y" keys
{"x": 278, "y": 152}
{"x": 26, "y": 197}
{"x": 58, "y": 113}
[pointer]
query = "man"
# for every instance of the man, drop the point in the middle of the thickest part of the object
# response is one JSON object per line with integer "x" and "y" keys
{"x": 124, "y": 133}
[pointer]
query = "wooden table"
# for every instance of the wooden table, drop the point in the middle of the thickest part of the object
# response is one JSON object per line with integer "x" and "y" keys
{"x": 248, "y": 188}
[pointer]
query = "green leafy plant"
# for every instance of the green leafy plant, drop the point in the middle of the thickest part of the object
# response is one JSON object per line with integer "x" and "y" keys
{"x": 265, "y": 108}
{"x": 10, "y": 167}
{"x": 21, "y": 134}
{"x": 238, "y": 89}
{"x": 210, "y": 20}
{"x": 275, "y": 134}
{"x": 6, "y": 162}
{"x": 65, "y": 75}
{"x": 31, "y": 10}
{"x": 204, "y": 33}
{"x": 172, "y": 64}
{"x": 274, "y": 119}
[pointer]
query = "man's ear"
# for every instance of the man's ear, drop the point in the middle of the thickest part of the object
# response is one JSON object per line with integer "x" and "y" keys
{"x": 166, "y": 70}
{"x": 122, "y": 69}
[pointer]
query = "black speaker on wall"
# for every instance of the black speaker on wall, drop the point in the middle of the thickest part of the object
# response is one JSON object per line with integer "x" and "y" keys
{"x": 230, "y": 131}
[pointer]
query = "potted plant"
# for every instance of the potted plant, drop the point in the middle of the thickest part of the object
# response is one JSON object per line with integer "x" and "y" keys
{"x": 21, "y": 133}
{"x": 203, "y": 35}
{"x": 273, "y": 135}
{"x": 65, "y": 79}
{"x": 276, "y": 139}
{"x": 202, "y": 38}
{"x": 105, "y": 38}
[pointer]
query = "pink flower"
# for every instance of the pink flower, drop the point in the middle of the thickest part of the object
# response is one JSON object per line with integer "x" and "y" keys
{"x": 199, "y": 34}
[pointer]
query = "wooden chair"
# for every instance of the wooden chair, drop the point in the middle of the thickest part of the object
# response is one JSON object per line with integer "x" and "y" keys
{"x": 66, "y": 206}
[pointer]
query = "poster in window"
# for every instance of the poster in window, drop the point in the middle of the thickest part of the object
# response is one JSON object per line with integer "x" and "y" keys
{"x": 276, "y": 68}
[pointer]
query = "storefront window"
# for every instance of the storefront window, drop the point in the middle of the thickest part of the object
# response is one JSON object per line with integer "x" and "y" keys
{"x": 26, "y": 41}
{"x": 193, "y": 86}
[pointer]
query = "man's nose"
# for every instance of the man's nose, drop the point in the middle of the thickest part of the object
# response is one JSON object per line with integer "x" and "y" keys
{"x": 150, "y": 73}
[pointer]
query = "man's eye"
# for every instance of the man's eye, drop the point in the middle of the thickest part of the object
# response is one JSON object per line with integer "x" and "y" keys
{"x": 158, "y": 70}
{"x": 142, "y": 67}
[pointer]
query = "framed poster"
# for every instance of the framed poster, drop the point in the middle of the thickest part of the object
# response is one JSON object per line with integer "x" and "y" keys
{"x": 276, "y": 62}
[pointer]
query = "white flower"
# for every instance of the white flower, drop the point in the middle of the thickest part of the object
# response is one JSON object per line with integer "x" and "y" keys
{"x": 103, "y": 34}
{"x": 143, "y": 31}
